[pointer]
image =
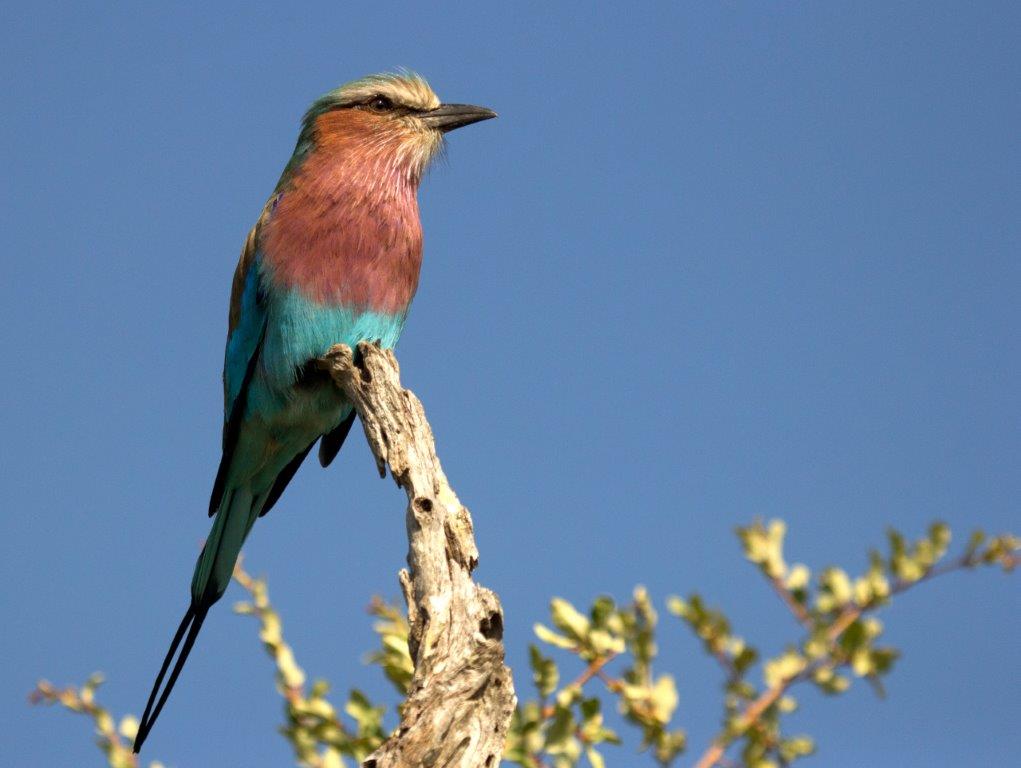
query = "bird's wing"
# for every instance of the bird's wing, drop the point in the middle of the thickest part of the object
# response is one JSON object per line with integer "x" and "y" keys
{"x": 332, "y": 441}
{"x": 246, "y": 321}
{"x": 245, "y": 332}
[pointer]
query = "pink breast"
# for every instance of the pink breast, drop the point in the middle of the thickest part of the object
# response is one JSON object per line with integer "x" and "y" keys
{"x": 346, "y": 236}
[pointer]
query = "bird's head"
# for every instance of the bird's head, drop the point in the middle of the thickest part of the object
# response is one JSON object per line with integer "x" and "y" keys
{"x": 390, "y": 122}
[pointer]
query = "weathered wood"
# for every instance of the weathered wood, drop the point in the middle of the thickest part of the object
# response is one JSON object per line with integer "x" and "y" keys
{"x": 462, "y": 696}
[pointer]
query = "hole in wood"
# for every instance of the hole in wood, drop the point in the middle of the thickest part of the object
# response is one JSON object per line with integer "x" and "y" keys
{"x": 492, "y": 626}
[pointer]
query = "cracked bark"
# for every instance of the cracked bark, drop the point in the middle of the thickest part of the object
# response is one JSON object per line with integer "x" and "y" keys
{"x": 462, "y": 696}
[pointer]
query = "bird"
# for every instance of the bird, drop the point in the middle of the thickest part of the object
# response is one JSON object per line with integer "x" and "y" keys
{"x": 333, "y": 258}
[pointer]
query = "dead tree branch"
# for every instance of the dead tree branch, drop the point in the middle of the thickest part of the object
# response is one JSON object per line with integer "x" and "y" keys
{"x": 462, "y": 697}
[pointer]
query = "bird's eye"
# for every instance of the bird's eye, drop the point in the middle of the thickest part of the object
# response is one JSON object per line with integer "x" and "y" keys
{"x": 380, "y": 104}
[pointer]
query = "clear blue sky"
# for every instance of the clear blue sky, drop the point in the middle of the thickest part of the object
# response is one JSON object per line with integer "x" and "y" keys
{"x": 713, "y": 261}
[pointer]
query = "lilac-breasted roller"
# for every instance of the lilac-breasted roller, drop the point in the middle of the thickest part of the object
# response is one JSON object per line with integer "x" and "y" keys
{"x": 333, "y": 258}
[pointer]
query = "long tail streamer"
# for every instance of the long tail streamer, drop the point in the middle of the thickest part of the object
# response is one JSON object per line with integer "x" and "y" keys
{"x": 190, "y": 624}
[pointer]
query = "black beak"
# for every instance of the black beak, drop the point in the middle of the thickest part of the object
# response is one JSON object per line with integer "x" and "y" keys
{"x": 447, "y": 117}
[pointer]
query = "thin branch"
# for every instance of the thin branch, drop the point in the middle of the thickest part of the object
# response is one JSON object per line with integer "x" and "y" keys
{"x": 311, "y": 720}
{"x": 83, "y": 702}
{"x": 727, "y": 663}
{"x": 844, "y": 619}
{"x": 799, "y": 610}
{"x": 749, "y": 717}
{"x": 594, "y": 669}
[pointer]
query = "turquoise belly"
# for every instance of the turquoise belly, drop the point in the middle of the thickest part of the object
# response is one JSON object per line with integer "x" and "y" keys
{"x": 299, "y": 330}
{"x": 283, "y": 415}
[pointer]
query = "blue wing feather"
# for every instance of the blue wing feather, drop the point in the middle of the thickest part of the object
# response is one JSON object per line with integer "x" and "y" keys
{"x": 244, "y": 340}
{"x": 245, "y": 336}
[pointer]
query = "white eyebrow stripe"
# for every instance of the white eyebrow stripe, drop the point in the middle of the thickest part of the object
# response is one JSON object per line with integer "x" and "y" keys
{"x": 406, "y": 90}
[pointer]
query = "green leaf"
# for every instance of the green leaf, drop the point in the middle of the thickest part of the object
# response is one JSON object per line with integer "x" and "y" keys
{"x": 829, "y": 682}
{"x": 764, "y": 546}
{"x": 835, "y": 590}
{"x": 975, "y": 541}
{"x": 797, "y": 746}
{"x": 663, "y": 698}
{"x": 787, "y": 704}
{"x": 602, "y": 609}
{"x": 939, "y": 535}
{"x": 677, "y": 606}
{"x": 545, "y": 674}
{"x": 560, "y": 733}
{"x": 331, "y": 759}
{"x": 549, "y": 636}
{"x": 128, "y": 727}
{"x": 783, "y": 668}
{"x": 590, "y": 708}
{"x": 568, "y": 619}
{"x": 368, "y": 717}
{"x": 798, "y": 578}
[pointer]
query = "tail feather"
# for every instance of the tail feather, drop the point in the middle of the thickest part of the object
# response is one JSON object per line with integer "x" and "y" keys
{"x": 201, "y": 579}
{"x": 237, "y": 512}
{"x": 191, "y": 623}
